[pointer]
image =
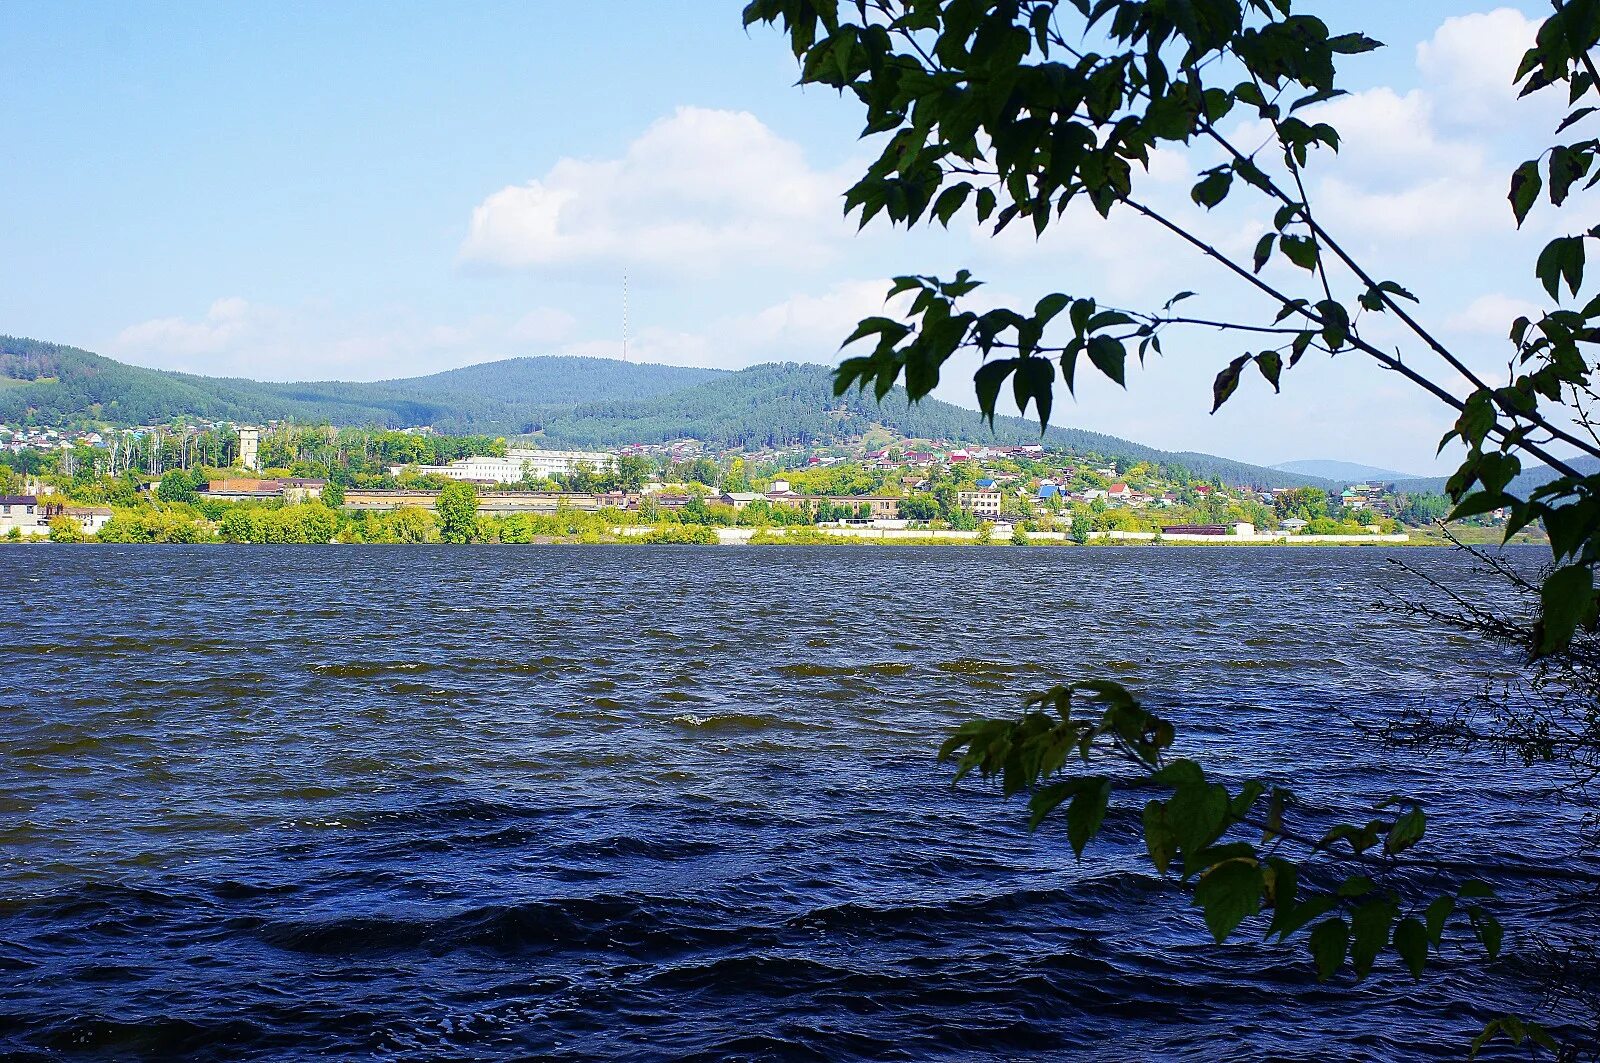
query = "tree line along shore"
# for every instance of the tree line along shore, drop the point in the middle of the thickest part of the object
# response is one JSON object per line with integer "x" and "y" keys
{"x": 318, "y": 485}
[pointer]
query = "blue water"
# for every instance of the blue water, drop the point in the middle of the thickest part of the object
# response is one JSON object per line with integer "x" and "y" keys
{"x": 680, "y": 803}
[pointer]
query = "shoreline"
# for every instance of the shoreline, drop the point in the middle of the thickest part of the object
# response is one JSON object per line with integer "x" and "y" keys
{"x": 779, "y": 541}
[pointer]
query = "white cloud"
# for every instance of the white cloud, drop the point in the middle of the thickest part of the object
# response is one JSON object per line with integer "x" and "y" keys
{"x": 805, "y": 327}
{"x": 810, "y": 327}
{"x": 236, "y": 337}
{"x": 1492, "y": 315}
{"x": 700, "y": 191}
{"x": 1471, "y": 59}
{"x": 1463, "y": 207}
{"x": 227, "y": 322}
{"x": 1385, "y": 133}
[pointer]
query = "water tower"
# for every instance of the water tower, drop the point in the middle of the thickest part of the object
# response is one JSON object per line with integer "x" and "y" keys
{"x": 250, "y": 448}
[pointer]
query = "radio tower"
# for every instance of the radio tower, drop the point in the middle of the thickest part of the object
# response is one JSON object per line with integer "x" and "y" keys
{"x": 624, "y": 316}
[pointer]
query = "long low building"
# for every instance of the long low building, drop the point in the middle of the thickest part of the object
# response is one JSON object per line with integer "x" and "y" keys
{"x": 519, "y": 464}
{"x": 497, "y": 503}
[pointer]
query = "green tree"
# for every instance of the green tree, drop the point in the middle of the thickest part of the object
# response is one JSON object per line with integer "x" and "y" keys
{"x": 1306, "y": 503}
{"x": 406, "y": 524}
{"x": 63, "y": 529}
{"x": 631, "y": 471}
{"x": 458, "y": 513}
{"x": 1418, "y": 510}
{"x": 237, "y": 527}
{"x": 177, "y": 486}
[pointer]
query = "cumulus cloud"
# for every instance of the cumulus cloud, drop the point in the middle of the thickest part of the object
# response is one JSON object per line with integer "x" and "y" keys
{"x": 1383, "y": 131}
{"x": 1451, "y": 205}
{"x": 699, "y": 191}
{"x": 1471, "y": 60}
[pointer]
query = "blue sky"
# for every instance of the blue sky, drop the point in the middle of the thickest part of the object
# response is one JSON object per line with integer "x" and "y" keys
{"x": 369, "y": 190}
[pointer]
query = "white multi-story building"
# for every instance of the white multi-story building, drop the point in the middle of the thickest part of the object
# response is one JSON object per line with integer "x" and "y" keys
{"x": 518, "y": 464}
{"x": 552, "y": 462}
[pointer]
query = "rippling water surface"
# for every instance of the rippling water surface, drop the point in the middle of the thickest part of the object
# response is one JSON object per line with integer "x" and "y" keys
{"x": 656, "y": 802}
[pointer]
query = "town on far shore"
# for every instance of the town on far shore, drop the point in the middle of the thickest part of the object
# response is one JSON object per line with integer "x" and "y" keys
{"x": 292, "y": 483}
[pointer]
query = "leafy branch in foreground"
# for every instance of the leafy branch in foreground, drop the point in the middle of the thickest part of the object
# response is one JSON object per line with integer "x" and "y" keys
{"x": 1015, "y": 110}
{"x": 1235, "y": 849}
{"x": 1009, "y": 111}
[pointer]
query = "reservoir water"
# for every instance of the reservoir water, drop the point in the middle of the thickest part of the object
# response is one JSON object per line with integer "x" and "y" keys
{"x": 420, "y": 803}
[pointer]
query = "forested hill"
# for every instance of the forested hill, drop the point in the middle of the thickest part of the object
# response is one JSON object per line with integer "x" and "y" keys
{"x": 785, "y": 405}
{"x": 575, "y": 401}
{"x": 51, "y": 384}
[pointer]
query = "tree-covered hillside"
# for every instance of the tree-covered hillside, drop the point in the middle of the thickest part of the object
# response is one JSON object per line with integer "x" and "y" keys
{"x": 50, "y": 384}
{"x": 575, "y": 401}
{"x": 785, "y": 405}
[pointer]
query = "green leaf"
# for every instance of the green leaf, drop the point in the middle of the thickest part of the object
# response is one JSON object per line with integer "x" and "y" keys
{"x": 1227, "y": 382}
{"x": 1370, "y": 932}
{"x": 1159, "y": 840}
{"x": 987, "y": 381}
{"x": 1436, "y": 914}
{"x": 1301, "y": 250}
{"x": 1228, "y": 894}
{"x": 1328, "y": 944}
{"x": 950, "y": 201}
{"x": 1356, "y": 885}
{"x": 1407, "y": 831}
{"x": 1109, "y": 356}
{"x": 1561, "y": 260}
{"x": 1048, "y": 307}
{"x": 1525, "y": 187}
{"x": 1086, "y": 813}
{"x": 1046, "y": 799}
{"x": 1411, "y": 941}
{"x": 1212, "y": 189}
{"x": 1488, "y": 929}
{"x": 1035, "y": 379}
{"x": 1271, "y": 365}
{"x": 1566, "y": 598}
{"x": 1264, "y": 251}
{"x": 1352, "y": 44}
{"x": 878, "y": 326}
{"x": 1198, "y": 816}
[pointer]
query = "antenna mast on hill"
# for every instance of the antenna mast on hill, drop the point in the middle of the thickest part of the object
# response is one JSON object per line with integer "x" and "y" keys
{"x": 624, "y": 316}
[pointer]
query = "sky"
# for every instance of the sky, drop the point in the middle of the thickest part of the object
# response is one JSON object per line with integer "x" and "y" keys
{"x": 373, "y": 190}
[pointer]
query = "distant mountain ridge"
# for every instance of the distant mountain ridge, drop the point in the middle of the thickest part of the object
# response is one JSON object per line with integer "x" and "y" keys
{"x": 1524, "y": 482}
{"x": 573, "y": 401}
{"x": 60, "y": 384}
{"x": 1349, "y": 471}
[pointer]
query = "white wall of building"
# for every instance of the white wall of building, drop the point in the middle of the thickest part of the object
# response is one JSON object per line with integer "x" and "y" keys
{"x": 517, "y": 464}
